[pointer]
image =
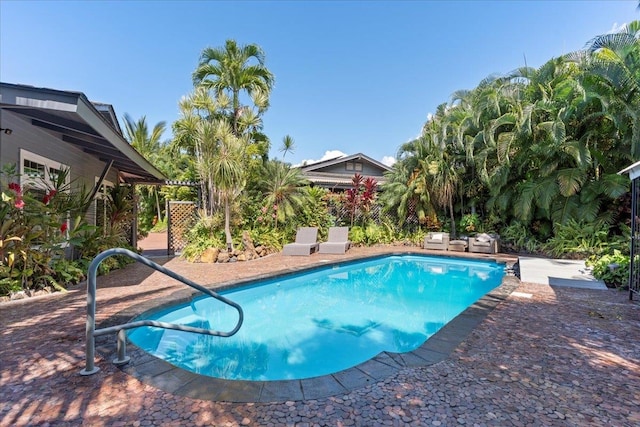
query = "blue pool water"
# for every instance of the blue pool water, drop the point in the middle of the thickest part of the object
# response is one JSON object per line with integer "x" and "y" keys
{"x": 316, "y": 323}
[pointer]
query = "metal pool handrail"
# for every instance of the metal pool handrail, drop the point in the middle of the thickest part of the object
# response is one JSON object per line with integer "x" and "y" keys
{"x": 122, "y": 357}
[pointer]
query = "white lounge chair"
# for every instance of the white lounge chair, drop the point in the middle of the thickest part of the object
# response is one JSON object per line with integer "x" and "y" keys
{"x": 306, "y": 242}
{"x": 337, "y": 241}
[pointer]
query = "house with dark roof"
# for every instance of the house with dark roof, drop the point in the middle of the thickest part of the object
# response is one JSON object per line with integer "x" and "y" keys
{"x": 43, "y": 131}
{"x": 336, "y": 174}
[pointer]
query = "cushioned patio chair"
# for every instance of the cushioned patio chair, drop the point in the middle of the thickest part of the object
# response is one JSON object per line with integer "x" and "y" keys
{"x": 306, "y": 242}
{"x": 337, "y": 241}
{"x": 484, "y": 243}
{"x": 436, "y": 241}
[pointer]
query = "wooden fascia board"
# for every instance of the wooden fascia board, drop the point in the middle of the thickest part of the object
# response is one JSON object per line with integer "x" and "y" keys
{"x": 93, "y": 118}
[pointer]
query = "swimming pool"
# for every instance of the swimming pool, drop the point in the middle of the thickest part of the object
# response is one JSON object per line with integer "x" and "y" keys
{"x": 316, "y": 323}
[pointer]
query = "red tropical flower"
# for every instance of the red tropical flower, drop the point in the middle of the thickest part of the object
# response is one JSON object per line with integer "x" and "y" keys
{"x": 15, "y": 187}
{"x": 48, "y": 196}
{"x": 19, "y": 203}
{"x": 63, "y": 227}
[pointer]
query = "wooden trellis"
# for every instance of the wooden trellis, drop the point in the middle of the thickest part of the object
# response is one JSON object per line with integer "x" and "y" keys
{"x": 181, "y": 216}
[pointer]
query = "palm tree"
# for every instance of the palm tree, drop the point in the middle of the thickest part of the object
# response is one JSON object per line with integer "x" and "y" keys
{"x": 288, "y": 146}
{"x": 233, "y": 70}
{"x": 149, "y": 146}
{"x": 405, "y": 191}
{"x": 228, "y": 172}
{"x": 445, "y": 177}
{"x": 220, "y": 155}
{"x": 615, "y": 58}
{"x": 282, "y": 189}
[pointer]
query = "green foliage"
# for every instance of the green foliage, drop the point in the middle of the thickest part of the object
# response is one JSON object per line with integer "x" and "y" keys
{"x": 417, "y": 237}
{"x": 612, "y": 268}
{"x": 470, "y": 223}
{"x": 578, "y": 239}
{"x": 357, "y": 235}
{"x": 206, "y": 233}
{"x": 540, "y": 146}
{"x": 372, "y": 234}
{"x": 517, "y": 237}
{"x": 37, "y": 232}
{"x": 160, "y": 226}
{"x": 267, "y": 237}
{"x": 314, "y": 212}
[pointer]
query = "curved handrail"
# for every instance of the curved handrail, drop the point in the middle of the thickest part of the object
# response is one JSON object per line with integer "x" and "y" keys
{"x": 91, "y": 331}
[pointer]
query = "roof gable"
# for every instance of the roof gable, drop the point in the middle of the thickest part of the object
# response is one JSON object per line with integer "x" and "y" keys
{"x": 337, "y": 173}
{"x": 326, "y": 165}
{"x": 72, "y": 118}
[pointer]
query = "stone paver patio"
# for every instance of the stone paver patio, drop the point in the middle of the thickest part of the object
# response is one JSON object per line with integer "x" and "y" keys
{"x": 544, "y": 356}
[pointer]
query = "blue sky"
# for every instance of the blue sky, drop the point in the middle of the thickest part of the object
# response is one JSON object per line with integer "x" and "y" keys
{"x": 357, "y": 76}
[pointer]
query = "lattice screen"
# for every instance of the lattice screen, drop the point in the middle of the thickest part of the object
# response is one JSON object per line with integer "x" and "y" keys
{"x": 181, "y": 217}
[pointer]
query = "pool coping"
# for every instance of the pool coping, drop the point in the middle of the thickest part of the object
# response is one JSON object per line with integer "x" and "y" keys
{"x": 165, "y": 376}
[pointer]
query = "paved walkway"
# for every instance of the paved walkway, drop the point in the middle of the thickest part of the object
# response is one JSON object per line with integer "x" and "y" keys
{"x": 545, "y": 356}
{"x": 558, "y": 272}
{"x": 154, "y": 245}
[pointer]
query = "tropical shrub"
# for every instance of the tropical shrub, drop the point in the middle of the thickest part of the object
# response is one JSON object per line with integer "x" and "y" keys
{"x": 517, "y": 237}
{"x": 269, "y": 238}
{"x": 374, "y": 234}
{"x": 612, "y": 268}
{"x": 578, "y": 239}
{"x": 207, "y": 232}
{"x": 357, "y": 235}
{"x": 470, "y": 223}
{"x": 417, "y": 237}
{"x": 43, "y": 225}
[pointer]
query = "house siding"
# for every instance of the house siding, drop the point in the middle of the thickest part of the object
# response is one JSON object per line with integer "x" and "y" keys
{"x": 84, "y": 168}
{"x": 340, "y": 168}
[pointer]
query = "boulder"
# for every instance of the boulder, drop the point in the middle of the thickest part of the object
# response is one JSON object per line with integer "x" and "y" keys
{"x": 223, "y": 257}
{"x": 247, "y": 243}
{"x": 210, "y": 255}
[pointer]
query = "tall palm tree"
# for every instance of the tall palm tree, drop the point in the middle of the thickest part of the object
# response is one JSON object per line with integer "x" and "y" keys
{"x": 148, "y": 144}
{"x": 615, "y": 58}
{"x": 220, "y": 154}
{"x": 444, "y": 172}
{"x": 228, "y": 172}
{"x": 233, "y": 70}
{"x": 406, "y": 187}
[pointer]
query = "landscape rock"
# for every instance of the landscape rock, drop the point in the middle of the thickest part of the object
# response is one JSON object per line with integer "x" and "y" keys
{"x": 210, "y": 255}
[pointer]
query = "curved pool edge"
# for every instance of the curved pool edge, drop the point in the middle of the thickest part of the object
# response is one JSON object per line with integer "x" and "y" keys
{"x": 162, "y": 375}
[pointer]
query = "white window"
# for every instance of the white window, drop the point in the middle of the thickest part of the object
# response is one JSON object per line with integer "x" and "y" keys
{"x": 356, "y": 166}
{"x": 40, "y": 173}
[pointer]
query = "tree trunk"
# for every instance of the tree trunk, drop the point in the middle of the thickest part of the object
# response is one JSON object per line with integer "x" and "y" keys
{"x": 453, "y": 219}
{"x": 155, "y": 190}
{"x": 227, "y": 225}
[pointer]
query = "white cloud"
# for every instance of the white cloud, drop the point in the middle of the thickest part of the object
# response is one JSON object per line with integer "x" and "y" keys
{"x": 388, "y": 160}
{"x": 328, "y": 155}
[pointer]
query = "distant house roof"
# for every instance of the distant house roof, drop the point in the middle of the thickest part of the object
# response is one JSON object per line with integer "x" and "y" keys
{"x": 92, "y": 127}
{"x": 337, "y": 173}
